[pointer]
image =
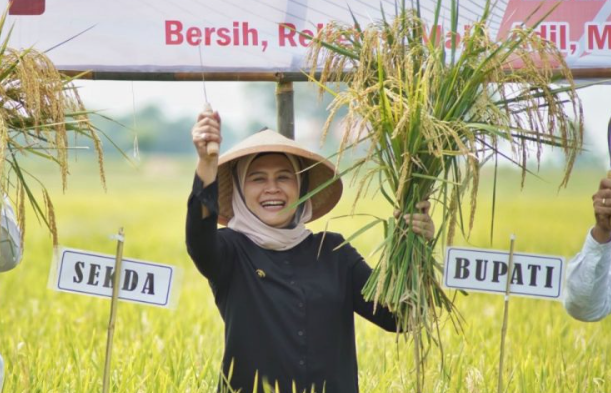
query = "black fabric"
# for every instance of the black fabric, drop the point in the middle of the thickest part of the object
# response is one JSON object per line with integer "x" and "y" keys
{"x": 289, "y": 315}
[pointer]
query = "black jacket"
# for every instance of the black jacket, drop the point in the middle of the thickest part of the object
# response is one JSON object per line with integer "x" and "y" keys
{"x": 289, "y": 315}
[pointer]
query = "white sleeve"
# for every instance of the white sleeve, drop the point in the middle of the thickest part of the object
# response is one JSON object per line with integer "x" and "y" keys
{"x": 10, "y": 237}
{"x": 587, "y": 296}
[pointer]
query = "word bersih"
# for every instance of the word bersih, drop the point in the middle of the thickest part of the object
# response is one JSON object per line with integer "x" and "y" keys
{"x": 239, "y": 34}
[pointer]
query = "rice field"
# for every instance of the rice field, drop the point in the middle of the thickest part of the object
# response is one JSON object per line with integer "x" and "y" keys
{"x": 55, "y": 342}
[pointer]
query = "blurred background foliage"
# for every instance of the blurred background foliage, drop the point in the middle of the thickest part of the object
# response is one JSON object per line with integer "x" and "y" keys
{"x": 160, "y": 134}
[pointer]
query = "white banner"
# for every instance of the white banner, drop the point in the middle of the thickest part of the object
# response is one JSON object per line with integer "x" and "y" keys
{"x": 483, "y": 270}
{"x": 257, "y": 35}
{"x": 89, "y": 273}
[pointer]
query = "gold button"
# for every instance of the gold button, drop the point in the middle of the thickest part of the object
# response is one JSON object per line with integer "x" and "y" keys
{"x": 260, "y": 273}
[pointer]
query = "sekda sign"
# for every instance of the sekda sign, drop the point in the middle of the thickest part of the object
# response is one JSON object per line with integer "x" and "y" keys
{"x": 92, "y": 274}
{"x": 487, "y": 271}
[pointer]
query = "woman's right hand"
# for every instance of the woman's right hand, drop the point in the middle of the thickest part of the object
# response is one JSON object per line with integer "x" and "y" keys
{"x": 207, "y": 129}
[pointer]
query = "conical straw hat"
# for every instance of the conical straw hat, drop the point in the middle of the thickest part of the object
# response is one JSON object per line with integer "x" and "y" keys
{"x": 319, "y": 170}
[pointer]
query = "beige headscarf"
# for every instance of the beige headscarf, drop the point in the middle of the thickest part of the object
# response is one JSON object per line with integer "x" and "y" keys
{"x": 246, "y": 222}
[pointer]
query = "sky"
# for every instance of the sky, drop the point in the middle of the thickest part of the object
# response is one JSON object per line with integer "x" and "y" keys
{"x": 179, "y": 99}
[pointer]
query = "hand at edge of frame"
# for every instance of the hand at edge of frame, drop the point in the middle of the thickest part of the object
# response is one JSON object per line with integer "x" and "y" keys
{"x": 601, "y": 202}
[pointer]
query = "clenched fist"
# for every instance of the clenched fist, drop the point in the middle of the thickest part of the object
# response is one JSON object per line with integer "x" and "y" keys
{"x": 206, "y": 130}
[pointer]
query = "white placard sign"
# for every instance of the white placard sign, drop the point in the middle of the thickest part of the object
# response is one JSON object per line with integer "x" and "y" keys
{"x": 92, "y": 274}
{"x": 482, "y": 270}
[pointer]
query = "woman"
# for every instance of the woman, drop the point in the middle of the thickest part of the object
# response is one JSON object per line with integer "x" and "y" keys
{"x": 287, "y": 296}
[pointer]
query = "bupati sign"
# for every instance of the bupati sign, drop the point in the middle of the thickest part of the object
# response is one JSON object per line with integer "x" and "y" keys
{"x": 261, "y": 36}
{"x": 488, "y": 271}
{"x": 92, "y": 274}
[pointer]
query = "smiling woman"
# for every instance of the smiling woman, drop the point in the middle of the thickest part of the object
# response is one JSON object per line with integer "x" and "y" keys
{"x": 287, "y": 296}
{"x": 271, "y": 189}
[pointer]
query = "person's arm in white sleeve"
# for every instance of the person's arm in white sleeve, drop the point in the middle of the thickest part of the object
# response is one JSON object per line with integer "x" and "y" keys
{"x": 588, "y": 294}
{"x": 10, "y": 237}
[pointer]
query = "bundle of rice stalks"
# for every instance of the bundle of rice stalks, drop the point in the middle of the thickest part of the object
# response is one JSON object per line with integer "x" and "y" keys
{"x": 40, "y": 110}
{"x": 430, "y": 116}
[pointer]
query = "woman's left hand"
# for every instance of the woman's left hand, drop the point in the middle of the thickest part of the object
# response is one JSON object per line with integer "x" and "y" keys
{"x": 421, "y": 223}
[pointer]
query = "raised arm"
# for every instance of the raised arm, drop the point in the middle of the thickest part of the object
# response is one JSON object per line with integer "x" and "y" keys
{"x": 587, "y": 294}
{"x": 207, "y": 129}
{"x": 208, "y": 250}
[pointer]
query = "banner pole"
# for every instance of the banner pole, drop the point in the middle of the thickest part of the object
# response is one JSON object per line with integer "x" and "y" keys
{"x": 285, "y": 109}
{"x": 506, "y": 313}
{"x": 113, "y": 308}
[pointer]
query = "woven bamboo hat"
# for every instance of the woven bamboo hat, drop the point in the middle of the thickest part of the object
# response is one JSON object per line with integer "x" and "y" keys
{"x": 318, "y": 168}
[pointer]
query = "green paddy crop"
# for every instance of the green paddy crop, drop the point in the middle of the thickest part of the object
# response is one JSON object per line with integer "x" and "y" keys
{"x": 55, "y": 342}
